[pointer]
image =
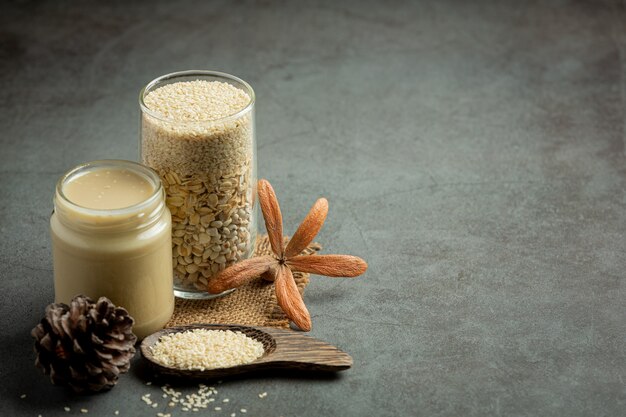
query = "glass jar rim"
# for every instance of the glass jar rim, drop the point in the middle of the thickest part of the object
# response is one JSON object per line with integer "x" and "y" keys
{"x": 190, "y": 73}
{"x": 136, "y": 167}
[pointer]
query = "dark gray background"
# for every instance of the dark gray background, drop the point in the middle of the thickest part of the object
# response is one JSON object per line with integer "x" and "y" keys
{"x": 472, "y": 152}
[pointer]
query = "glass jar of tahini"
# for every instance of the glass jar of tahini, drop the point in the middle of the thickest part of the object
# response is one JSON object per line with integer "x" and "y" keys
{"x": 111, "y": 236}
{"x": 197, "y": 132}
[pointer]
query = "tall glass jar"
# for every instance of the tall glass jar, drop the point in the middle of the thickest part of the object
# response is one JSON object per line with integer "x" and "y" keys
{"x": 197, "y": 132}
{"x": 111, "y": 236}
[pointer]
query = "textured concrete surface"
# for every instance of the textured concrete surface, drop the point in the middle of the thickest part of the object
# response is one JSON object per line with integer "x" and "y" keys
{"x": 472, "y": 152}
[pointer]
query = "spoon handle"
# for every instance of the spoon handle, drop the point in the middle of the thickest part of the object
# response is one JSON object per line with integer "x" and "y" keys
{"x": 297, "y": 351}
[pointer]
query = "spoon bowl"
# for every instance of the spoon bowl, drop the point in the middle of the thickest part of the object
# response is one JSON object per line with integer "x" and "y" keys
{"x": 283, "y": 349}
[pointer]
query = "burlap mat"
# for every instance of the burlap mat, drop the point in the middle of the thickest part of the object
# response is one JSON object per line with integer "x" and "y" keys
{"x": 252, "y": 304}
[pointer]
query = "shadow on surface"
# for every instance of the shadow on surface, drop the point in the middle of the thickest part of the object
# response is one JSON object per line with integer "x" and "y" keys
{"x": 142, "y": 370}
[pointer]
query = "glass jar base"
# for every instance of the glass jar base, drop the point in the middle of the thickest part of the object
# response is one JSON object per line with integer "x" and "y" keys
{"x": 198, "y": 295}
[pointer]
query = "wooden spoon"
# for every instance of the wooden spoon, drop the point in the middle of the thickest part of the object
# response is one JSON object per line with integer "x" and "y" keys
{"x": 284, "y": 349}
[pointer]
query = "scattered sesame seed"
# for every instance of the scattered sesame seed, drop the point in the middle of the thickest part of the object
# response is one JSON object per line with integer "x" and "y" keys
{"x": 172, "y": 404}
{"x": 84, "y": 410}
{"x": 66, "y": 408}
{"x": 185, "y": 409}
{"x": 194, "y": 409}
{"x": 233, "y": 414}
{"x": 225, "y": 400}
{"x": 218, "y": 408}
{"x": 117, "y": 412}
{"x": 155, "y": 405}
{"x": 23, "y": 396}
{"x": 243, "y": 410}
{"x": 164, "y": 395}
{"x": 148, "y": 383}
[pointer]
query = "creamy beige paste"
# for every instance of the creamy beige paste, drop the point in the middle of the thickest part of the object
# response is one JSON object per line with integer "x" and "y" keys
{"x": 108, "y": 189}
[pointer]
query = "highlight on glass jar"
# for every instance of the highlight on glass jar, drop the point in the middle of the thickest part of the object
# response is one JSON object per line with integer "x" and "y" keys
{"x": 198, "y": 134}
{"x": 111, "y": 236}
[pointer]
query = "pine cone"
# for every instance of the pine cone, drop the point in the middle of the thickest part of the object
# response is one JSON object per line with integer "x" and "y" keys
{"x": 85, "y": 345}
